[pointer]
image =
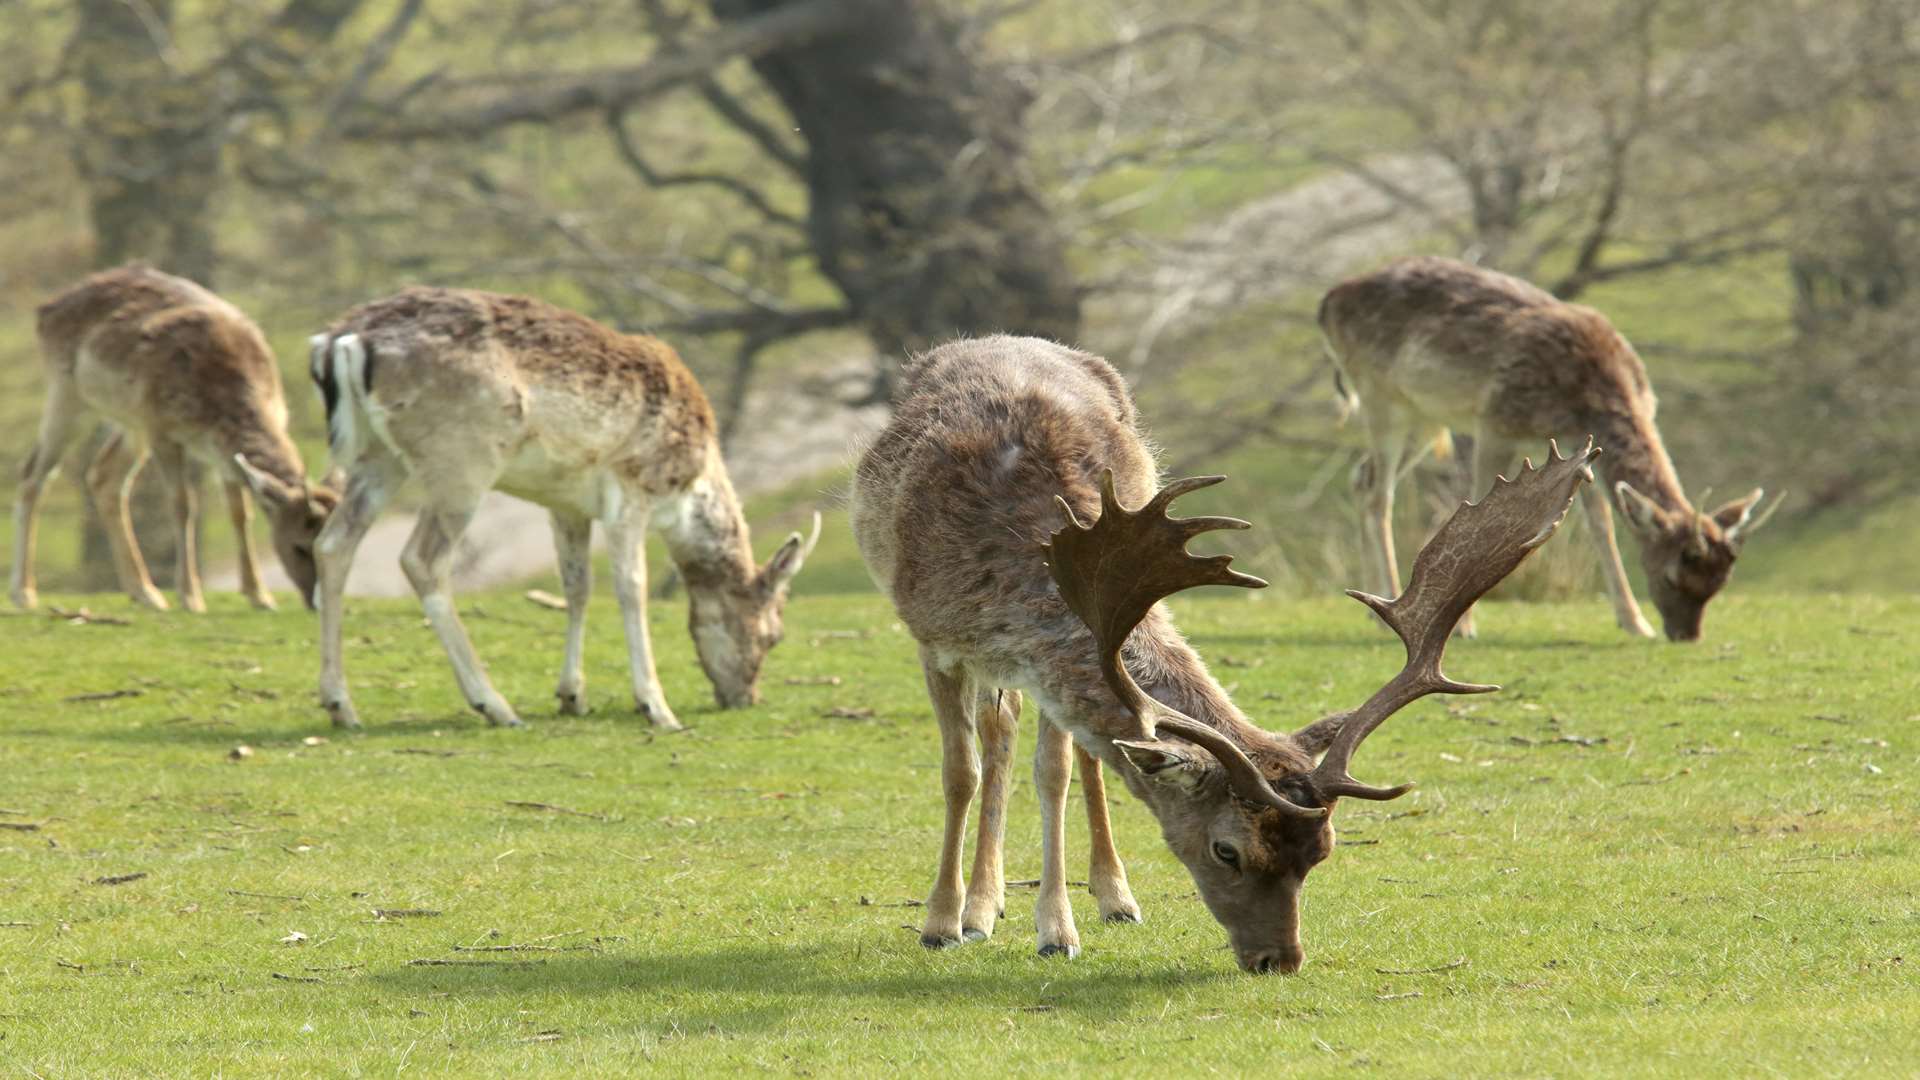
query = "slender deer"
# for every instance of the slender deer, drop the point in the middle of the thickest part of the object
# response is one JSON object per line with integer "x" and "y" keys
{"x": 182, "y": 376}
{"x": 957, "y": 510}
{"x": 1429, "y": 344}
{"x": 470, "y": 391}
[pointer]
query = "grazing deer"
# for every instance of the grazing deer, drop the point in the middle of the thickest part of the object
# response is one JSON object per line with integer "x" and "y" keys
{"x": 182, "y": 376}
{"x": 1429, "y": 344}
{"x": 956, "y": 507}
{"x": 469, "y": 391}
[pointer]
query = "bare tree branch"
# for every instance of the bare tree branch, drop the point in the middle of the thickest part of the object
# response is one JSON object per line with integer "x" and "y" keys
{"x": 378, "y": 53}
{"x": 745, "y": 192}
{"x": 782, "y": 28}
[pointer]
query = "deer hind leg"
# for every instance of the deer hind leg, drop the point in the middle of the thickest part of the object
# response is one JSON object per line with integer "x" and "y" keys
{"x": 240, "y": 512}
{"x": 1626, "y": 611}
{"x": 997, "y": 715}
{"x": 428, "y": 563}
{"x": 1053, "y": 915}
{"x": 1379, "y": 474}
{"x": 627, "y": 543}
{"x": 56, "y": 431}
{"x": 953, "y": 701}
{"x": 110, "y": 481}
{"x": 572, "y": 536}
{"x": 372, "y": 484}
{"x": 177, "y": 472}
{"x": 1106, "y": 877}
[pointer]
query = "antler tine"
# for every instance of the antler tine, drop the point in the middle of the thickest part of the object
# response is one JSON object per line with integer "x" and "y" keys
{"x": 1477, "y": 547}
{"x": 1113, "y": 570}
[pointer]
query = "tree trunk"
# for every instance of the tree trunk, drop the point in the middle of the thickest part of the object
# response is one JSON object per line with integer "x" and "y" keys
{"x": 920, "y": 206}
{"x": 151, "y": 158}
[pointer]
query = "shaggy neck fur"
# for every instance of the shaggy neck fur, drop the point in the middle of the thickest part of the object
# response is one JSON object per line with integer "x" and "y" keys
{"x": 707, "y": 534}
{"x": 1635, "y": 454}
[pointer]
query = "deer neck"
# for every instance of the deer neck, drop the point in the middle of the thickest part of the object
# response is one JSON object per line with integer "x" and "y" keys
{"x": 1170, "y": 672}
{"x": 1634, "y": 454}
{"x": 266, "y": 448}
{"x": 706, "y": 533}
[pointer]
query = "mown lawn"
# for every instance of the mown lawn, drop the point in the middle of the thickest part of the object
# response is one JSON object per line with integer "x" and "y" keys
{"x": 1641, "y": 859}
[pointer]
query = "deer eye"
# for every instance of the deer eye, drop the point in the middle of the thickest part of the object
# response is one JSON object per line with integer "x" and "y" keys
{"x": 1226, "y": 854}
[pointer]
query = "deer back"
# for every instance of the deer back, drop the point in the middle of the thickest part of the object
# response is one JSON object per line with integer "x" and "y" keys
{"x": 525, "y": 371}
{"x": 954, "y": 498}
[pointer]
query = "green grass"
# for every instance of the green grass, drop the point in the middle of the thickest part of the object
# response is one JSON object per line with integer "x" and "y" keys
{"x": 1726, "y": 885}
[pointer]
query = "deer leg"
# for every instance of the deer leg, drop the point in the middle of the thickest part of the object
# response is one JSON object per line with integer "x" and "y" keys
{"x": 627, "y": 543}
{"x": 367, "y": 493}
{"x": 1491, "y": 453}
{"x": 1053, "y": 915}
{"x": 572, "y": 534}
{"x": 240, "y": 512}
{"x": 1626, "y": 611}
{"x": 953, "y": 702}
{"x": 110, "y": 481}
{"x": 1106, "y": 877}
{"x": 997, "y": 715}
{"x": 1381, "y": 473}
{"x": 56, "y": 430}
{"x": 428, "y": 564}
{"x": 177, "y": 472}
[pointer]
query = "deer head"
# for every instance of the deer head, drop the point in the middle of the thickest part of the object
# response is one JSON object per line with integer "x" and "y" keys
{"x": 737, "y": 623}
{"x": 1688, "y": 555}
{"x": 296, "y": 515}
{"x": 1246, "y": 810}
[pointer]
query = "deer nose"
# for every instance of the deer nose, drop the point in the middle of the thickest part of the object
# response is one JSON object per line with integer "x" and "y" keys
{"x": 1283, "y": 962}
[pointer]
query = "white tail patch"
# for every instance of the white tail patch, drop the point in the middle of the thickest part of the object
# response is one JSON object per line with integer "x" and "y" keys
{"x": 346, "y": 435}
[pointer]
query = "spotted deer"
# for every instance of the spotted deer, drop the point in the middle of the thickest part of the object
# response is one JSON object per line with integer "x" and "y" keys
{"x": 182, "y": 376}
{"x": 469, "y": 391}
{"x": 1431, "y": 344}
{"x": 969, "y": 511}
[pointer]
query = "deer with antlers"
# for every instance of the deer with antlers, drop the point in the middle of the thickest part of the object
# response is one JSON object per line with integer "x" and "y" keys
{"x": 1431, "y": 344}
{"x": 182, "y": 376}
{"x": 468, "y": 391}
{"x": 969, "y": 511}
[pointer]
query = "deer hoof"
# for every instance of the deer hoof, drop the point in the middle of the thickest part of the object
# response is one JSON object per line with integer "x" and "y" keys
{"x": 975, "y": 934}
{"x": 1123, "y": 916}
{"x": 26, "y": 599}
{"x": 572, "y": 703}
{"x": 939, "y": 941}
{"x": 342, "y": 714}
{"x": 1068, "y": 951}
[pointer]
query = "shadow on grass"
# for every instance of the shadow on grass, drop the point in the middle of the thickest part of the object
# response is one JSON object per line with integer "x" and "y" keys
{"x": 756, "y": 973}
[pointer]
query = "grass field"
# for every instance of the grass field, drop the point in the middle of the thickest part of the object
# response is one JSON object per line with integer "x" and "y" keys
{"x": 1641, "y": 859}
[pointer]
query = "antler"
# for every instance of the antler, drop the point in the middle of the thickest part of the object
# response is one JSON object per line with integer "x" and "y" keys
{"x": 1478, "y": 546}
{"x": 1113, "y": 571}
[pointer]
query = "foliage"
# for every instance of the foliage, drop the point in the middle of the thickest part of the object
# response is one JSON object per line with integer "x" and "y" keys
{"x": 1638, "y": 860}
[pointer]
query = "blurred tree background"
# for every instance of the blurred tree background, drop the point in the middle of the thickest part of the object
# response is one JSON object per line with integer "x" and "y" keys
{"x": 797, "y": 192}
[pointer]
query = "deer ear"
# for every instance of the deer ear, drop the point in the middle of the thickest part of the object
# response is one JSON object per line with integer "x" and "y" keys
{"x": 1737, "y": 518}
{"x": 1640, "y": 511}
{"x": 792, "y": 555}
{"x": 273, "y": 495}
{"x": 1163, "y": 763}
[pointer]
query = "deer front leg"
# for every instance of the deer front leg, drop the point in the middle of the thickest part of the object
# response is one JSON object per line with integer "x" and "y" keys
{"x": 952, "y": 697}
{"x": 626, "y": 542}
{"x": 110, "y": 481}
{"x": 367, "y": 493}
{"x": 1053, "y": 914}
{"x": 240, "y": 512}
{"x": 1106, "y": 877}
{"x": 998, "y": 714}
{"x": 1626, "y": 611}
{"x": 572, "y": 534}
{"x": 177, "y": 472}
{"x": 1374, "y": 483}
{"x": 428, "y": 564}
{"x": 56, "y": 430}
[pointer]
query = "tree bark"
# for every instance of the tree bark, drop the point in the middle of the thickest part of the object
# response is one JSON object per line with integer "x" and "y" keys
{"x": 920, "y": 207}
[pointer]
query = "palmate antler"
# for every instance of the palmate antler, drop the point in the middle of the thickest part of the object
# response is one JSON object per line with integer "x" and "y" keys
{"x": 1113, "y": 571}
{"x": 1478, "y": 546}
